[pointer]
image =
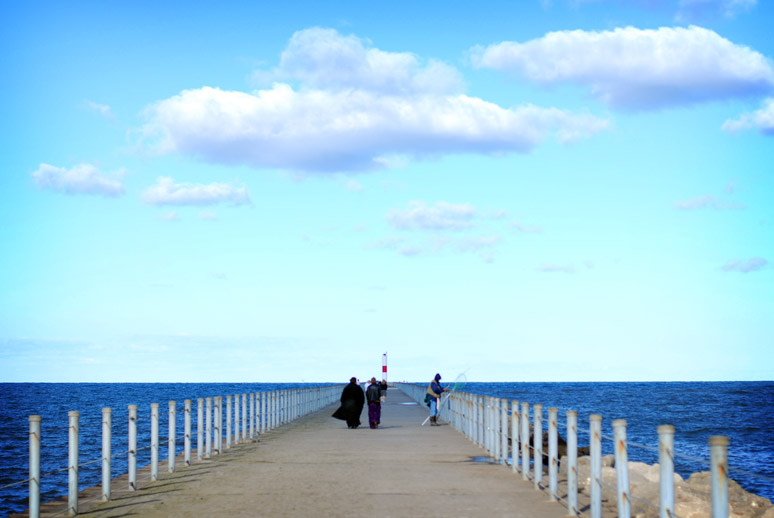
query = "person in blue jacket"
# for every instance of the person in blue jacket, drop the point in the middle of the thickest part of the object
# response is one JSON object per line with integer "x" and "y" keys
{"x": 434, "y": 391}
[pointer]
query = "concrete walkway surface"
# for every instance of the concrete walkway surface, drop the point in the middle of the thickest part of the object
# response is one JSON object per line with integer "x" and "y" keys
{"x": 317, "y": 467}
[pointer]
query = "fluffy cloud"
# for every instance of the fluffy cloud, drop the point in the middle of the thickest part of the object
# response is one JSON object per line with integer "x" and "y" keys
{"x": 442, "y": 216}
{"x": 751, "y": 265}
{"x": 323, "y": 58}
{"x": 167, "y": 192}
{"x": 762, "y": 120}
{"x": 630, "y": 68}
{"x": 81, "y": 179}
{"x": 356, "y": 108}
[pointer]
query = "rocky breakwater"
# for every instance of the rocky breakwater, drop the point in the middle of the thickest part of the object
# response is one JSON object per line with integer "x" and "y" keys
{"x": 692, "y": 496}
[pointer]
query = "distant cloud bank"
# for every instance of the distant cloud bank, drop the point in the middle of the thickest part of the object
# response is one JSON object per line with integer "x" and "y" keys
{"x": 636, "y": 69}
{"x": 356, "y": 107}
{"x": 81, "y": 179}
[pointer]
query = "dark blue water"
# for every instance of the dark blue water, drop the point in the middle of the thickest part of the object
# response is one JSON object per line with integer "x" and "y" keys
{"x": 53, "y": 401}
{"x": 743, "y": 411}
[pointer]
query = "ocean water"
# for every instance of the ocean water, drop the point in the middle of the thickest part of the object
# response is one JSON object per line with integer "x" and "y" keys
{"x": 743, "y": 411}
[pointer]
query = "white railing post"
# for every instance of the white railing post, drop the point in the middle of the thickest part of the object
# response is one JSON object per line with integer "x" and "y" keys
{"x": 719, "y": 473}
{"x": 228, "y": 421}
{"x": 595, "y": 428}
{"x": 525, "y": 440}
{"x": 244, "y": 416}
{"x": 236, "y": 418}
{"x": 504, "y": 430}
{"x": 622, "y": 468}
{"x": 35, "y": 466}
{"x": 537, "y": 443}
{"x": 107, "y": 418}
{"x": 199, "y": 428}
{"x": 515, "y": 436}
{"x": 187, "y": 431}
{"x": 72, "y": 469}
{"x": 666, "y": 461}
{"x": 154, "y": 441}
{"x": 217, "y": 427}
{"x": 553, "y": 453}
{"x": 572, "y": 463}
{"x": 252, "y": 415}
{"x": 172, "y": 435}
{"x": 208, "y": 428}
{"x": 132, "y": 448}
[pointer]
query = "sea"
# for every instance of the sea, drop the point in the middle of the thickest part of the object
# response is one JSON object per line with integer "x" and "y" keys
{"x": 742, "y": 411}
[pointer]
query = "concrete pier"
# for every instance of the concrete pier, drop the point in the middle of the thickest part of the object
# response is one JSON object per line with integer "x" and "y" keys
{"x": 316, "y": 466}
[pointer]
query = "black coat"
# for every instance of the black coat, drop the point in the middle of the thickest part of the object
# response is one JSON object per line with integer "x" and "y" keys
{"x": 352, "y": 401}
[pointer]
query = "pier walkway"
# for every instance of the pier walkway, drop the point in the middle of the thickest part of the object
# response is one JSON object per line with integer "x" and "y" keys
{"x": 317, "y": 467}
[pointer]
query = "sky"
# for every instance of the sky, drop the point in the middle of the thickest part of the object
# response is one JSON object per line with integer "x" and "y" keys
{"x": 546, "y": 190}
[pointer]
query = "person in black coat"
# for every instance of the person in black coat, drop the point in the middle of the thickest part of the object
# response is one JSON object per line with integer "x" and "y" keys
{"x": 352, "y": 401}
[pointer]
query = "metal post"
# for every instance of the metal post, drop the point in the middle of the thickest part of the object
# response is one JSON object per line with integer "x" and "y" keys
{"x": 208, "y": 428}
{"x": 262, "y": 412}
{"x": 199, "y": 428}
{"x": 236, "y": 418}
{"x": 217, "y": 424}
{"x": 244, "y": 416}
{"x": 595, "y": 428}
{"x": 504, "y": 433}
{"x": 666, "y": 461}
{"x": 172, "y": 435}
{"x": 553, "y": 453}
{"x": 515, "y": 436}
{"x": 228, "y": 421}
{"x": 154, "y": 441}
{"x": 572, "y": 463}
{"x": 252, "y": 414}
{"x": 132, "y": 448}
{"x": 622, "y": 468}
{"x": 537, "y": 443}
{"x": 72, "y": 468}
{"x": 187, "y": 425}
{"x": 525, "y": 440}
{"x": 107, "y": 419}
{"x": 719, "y": 472}
{"x": 35, "y": 466}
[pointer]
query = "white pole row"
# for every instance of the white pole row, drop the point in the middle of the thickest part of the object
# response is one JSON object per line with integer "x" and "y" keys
{"x": 484, "y": 421}
{"x": 264, "y": 412}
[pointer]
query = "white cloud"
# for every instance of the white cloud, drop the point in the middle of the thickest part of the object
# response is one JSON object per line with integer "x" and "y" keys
{"x": 762, "y": 120}
{"x": 323, "y": 58}
{"x": 708, "y": 201}
{"x": 81, "y": 179}
{"x": 442, "y": 216}
{"x": 356, "y": 109}
{"x": 207, "y": 215}
{"x": 167, "y": 192}
{"x": 631, "y": 68}
{"x": 751, "y": 265}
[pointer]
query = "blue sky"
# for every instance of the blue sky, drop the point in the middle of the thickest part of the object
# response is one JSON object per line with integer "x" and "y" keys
{"x": 538, "y": 191}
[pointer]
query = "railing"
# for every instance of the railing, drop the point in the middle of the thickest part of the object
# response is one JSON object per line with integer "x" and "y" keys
{"x": 493, "y": 424}
{"x": 260, "y": 413}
